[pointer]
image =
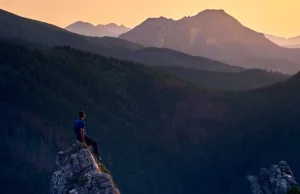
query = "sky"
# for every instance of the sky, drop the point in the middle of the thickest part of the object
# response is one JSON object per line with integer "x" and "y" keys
{"x": 277, "y": 17}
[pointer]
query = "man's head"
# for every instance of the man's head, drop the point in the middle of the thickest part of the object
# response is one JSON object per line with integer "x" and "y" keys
{"x": 81, "y": 114}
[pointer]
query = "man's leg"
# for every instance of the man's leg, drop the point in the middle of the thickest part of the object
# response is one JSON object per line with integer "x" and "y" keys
{"x": 90, "y": 141}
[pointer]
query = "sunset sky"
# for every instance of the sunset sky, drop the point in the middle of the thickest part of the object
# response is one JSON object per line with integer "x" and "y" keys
{"x": 277, "y": 17}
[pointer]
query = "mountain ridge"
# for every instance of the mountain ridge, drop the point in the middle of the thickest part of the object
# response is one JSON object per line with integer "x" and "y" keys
{"x": 291, "y": 42}
{"x": 216, "y": 35}
{"x": 232, "y": 81}
{"x": 42, "y": 33}
{"x": 100, "y": 30}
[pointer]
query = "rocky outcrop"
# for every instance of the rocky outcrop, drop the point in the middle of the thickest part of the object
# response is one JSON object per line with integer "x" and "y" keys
{"x": 78, "y": 172}
{"x": 278, "y": 179}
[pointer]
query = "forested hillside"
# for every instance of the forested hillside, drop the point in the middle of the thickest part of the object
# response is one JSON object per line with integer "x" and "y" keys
{"x": 244, "y": 80}
{"x": 157, "y": 133}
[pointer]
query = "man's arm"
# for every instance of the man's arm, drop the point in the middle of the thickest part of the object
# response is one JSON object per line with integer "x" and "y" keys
{"x": 82, "y": 136}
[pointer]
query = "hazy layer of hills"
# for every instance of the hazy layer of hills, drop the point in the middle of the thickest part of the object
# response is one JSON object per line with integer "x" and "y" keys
{"x": 293, "y": 42}
{"x": 153, "y": 129}
{"x": 244, "y": 80}
{"x": 87, "y": 29}
{"x": 18, "y": 28}
{"x": 15, "y": 27}
{"x": 216, "y": 35}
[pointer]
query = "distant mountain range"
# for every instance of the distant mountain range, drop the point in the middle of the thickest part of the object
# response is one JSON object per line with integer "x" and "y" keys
{"x": 185, "y": 66}
{"x": 216, "y": 35}
{"x": 100, "y": 30}
{"x": 19, "y": 28}
{"x": 229, "y": 49}
{"x": 293, "y": 42}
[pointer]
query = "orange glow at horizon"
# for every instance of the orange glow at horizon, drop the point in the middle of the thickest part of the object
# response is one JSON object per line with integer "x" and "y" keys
{"x": 275, "y": 17}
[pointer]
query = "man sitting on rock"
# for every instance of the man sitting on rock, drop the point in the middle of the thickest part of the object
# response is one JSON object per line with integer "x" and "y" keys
{"x": 82, "y": 136}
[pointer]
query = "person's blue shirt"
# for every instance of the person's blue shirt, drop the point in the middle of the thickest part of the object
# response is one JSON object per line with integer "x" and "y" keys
{"x": 79, "y": 123}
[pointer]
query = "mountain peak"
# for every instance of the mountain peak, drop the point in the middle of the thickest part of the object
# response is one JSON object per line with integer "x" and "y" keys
{"x": 80, "y": 23}
{"x": 222, "y": 11}
{"x": 216, "y": 35}
{"x": 115, "y": 26}
{"x": 161, "y": 18}
{"x": 214, "y": 13}
{"x": 112, "y": 25}
{"x": 161, "y": 21}
{"x": 100, "y": 30}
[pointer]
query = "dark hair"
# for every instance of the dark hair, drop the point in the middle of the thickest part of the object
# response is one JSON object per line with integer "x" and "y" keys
{"x": 81, "y": 114}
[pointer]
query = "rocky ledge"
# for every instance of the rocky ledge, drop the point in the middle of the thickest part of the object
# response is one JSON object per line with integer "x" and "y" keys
{"x": 79, "y": 173}
{"x": 278, "y": 179}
